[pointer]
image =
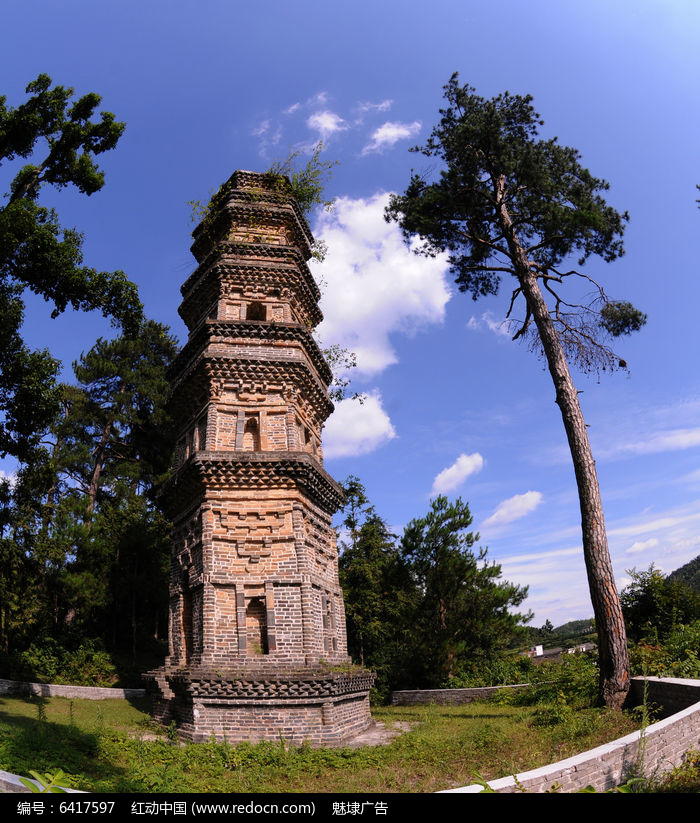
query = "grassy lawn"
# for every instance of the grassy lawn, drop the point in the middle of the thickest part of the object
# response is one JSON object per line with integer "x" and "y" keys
{"x": 108, "y": 746}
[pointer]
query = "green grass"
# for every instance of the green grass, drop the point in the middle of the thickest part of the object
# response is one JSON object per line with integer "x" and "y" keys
{"x": 107, "y": 746}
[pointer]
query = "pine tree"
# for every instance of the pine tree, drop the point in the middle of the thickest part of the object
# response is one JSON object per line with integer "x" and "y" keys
{"x": 509, "y": 203}
{"x": 37, "y": 253}
{"x": 116, "y": 442}
{"x": 83, "y": 538}
{"x": 463, "y": 609}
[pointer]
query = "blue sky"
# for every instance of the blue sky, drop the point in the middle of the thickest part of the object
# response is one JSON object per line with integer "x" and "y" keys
{"x": 453, "y": 405}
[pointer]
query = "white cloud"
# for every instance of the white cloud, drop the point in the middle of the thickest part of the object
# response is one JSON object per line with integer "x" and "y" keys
{"x": 385, "y": 105}
{"x": 514, "y": 508}
{"x": 666, "y": 523}
{"x": 261, "y": 129}
{"x": 499, "y": 327}
{"x": 374, "y": 284}
{"x": 390, "y": 133}
{"x": 663, "y": 441}
{"x": 326, "y": 123}
{"x": 457, "y": 473}
{"x": 318, "y": 99}
{"x": 357, "y": 428}
{"x": 268, "y": 135}
{"x": 547, "y": 555}
{"x": 642, "y": 545}
{"x": 292, "y": 109}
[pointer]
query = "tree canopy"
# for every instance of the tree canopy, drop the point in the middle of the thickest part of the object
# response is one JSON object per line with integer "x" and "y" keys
{"x": 82, "y": 538}
{"x": 424, "y": 608}
{"x": 508, "y": 202}
{"x": 81, "y": 546}
{"x": 463, "y": 610}
{"x": 654, "y": 605}
{"x": 35, "y": 250}
{"x": 60, "y": 138}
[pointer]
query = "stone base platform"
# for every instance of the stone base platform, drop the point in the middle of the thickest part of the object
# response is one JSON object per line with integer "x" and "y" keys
{"x": 315, "y": 704}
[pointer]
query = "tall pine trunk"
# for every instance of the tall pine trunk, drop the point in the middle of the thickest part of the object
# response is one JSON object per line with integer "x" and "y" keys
{"x": 100, "y": 459}
{"x": 612, "y": 638}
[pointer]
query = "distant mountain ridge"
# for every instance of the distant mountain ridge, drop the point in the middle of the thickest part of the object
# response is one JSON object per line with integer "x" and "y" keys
{"x": 688, "y": 574}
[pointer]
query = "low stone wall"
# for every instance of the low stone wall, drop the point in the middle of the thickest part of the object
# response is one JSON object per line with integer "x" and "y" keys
{"x": 670, "y": 694}
{"x": 447, "y": 697}
{"x": 660, "y": 748}
{"x": 17, "y": 687}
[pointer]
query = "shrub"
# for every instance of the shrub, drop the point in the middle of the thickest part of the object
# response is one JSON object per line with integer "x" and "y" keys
{"x": 501, "y": 671}
{"x": 49, "y": 662}
{"x": 676, "y": 657}
{"x": 573, "y": 678}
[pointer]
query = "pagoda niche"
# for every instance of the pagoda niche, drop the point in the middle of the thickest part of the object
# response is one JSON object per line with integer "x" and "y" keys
{"x": 257, "y": 622}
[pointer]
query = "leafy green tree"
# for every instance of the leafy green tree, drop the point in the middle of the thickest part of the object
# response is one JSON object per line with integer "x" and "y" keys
{"x": 115, "y": 445}
{"x": 84, "y": 542}
{"x": 653, "y": 605}
{"x": 510, "y": 203}
{"x": 356, "y": 510}
{"x": 463, "y": 608}
{"x": 116, "y": 427}
{"x": 61, "y": 139}
{"x": 378, "y": 590}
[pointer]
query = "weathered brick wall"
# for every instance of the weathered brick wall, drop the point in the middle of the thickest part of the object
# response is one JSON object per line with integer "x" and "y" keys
{"x": 273, "y": 538}
{"x": 323, "y": 722}
{"x": 289, "y": 623}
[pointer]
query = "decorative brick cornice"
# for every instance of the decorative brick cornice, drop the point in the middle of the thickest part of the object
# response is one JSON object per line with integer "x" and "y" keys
{"x": 252, "y": 470}
{"x": 233, "y": 367}
{"x": 243, "y": 253}
{"x": 255, "y": 330}
{"x": 247, "y": 685}
{"x": 204, "y": 281}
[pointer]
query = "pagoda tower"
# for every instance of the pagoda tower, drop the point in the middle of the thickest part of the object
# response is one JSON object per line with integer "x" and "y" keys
{"x": 257, "y": 622}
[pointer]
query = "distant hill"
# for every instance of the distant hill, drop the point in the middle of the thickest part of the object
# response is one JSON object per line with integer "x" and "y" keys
{"x": 574, "y": 627}
{"x": 688, "y": 574}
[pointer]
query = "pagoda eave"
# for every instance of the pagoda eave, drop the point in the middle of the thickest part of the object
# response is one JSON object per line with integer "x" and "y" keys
{"x": 250, "y": 330}
{"x": 218, "y": 470}
{"x": 212, "y": 367}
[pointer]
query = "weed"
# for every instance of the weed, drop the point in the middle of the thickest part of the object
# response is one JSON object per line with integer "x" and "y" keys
{"x": 553, "y": 714}
{"x": 100, "y": 722}
{"x": 47, "y": 782}
{"x": 488, "y": 736}
{"x": 685, "y": 779}
{"x": 41, "y": 714}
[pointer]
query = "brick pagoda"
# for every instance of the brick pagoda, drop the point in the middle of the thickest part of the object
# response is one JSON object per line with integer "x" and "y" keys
{"x": 257, "y": 622}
